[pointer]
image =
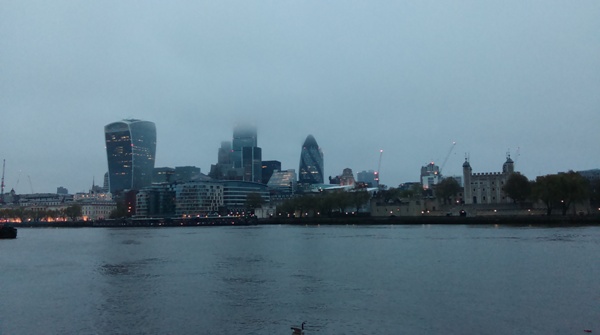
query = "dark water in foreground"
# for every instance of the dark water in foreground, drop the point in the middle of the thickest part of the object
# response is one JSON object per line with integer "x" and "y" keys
{"x": 263, "y": 279}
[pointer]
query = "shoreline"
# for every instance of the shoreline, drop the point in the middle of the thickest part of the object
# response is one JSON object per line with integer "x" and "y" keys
{"x": 513, "y": 220}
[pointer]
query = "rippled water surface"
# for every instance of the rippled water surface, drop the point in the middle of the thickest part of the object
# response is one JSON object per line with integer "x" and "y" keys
{"x": 339, "y": 279}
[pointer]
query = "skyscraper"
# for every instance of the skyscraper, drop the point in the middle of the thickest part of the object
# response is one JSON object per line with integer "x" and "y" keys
{"x": 244, "y": 136}
{"x": 252, "y": 164}
{"x": 311, "y": 162}
{"x": 240, "y": 159}
{"x": 130, "y": 151}
{"x": 246, "y": 154}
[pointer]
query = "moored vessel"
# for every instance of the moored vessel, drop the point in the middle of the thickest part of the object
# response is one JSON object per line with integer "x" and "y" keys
{"x": 8, "y": 231}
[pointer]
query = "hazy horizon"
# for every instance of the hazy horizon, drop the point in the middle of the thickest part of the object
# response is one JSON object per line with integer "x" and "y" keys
{"x": 408, "y": 78}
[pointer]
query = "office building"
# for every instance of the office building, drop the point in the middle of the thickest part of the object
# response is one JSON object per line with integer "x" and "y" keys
{"x": 283, "y": 181}
{"x": 311, "y": 162}
{"x": 268, "y": 167}
{"x": 252, "y": 164}
{"x": 130, "y": 150}
{"x": 224, "y": 170}
{"x": 430, "y": 175}
{"x": 225, "y": 153}
{"x": 240, "y": 159}
{"x": 187, "y": 173}
{"x": 163, "y": 175}
{"x": 235, "y": 194}
{"x": 244, "y": 136}
{"x": 369, "y": 178}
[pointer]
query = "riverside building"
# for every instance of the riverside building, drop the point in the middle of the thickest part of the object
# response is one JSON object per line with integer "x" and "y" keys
{"x": 198, "y": 198}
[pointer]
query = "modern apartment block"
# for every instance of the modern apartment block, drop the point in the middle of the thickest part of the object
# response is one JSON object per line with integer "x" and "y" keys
{"x": 198, "y": 198}
{"x": 156, "y": 201}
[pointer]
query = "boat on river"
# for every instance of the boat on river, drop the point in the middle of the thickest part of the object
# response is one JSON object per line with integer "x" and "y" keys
{"x": 8, "y": 231}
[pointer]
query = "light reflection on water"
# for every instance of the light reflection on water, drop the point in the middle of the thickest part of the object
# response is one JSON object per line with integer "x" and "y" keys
{"x": 341, "y": 280}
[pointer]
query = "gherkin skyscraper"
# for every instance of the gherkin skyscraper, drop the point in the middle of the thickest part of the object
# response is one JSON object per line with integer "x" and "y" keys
{"x": 311, "y": 162}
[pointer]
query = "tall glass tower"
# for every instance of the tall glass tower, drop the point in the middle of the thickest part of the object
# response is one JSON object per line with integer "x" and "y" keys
{"x": 244, "y": 136}
{"x": 246, "y": 154}
{"x": 311, "y": 162}
{"x": 130, "y": 151}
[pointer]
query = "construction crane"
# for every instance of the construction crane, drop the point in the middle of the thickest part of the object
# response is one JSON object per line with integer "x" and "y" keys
{"x": 2, "y": 185}
{"x": 378, "y": 168}
{"x": 447, "y": 156}
{"x": 18, "y": 179}
{"x": 30, "y": 185}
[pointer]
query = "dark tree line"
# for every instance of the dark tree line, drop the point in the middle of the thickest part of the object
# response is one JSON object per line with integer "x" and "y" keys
{"x": 326, "y": 203}
{"x": 416, "y": 191}
{"x": 595, "y": 194}
{"x": 254, "y": 200}
{"x": 557, "y": 191}
{"x": 447, "y": 189}
{"x": 121, "y": 210}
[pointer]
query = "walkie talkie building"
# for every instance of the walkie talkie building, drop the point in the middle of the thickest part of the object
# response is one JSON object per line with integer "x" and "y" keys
{"x": 130, "y": 151}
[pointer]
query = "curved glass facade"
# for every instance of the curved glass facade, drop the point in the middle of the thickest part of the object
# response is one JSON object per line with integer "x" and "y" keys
{"x": 130, "y": 151}
{"x": 311, "y": 162}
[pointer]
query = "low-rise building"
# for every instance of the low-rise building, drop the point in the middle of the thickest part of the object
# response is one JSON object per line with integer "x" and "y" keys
{"x": 92, "y": 210}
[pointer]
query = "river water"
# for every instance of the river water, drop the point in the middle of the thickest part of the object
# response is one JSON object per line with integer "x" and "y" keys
{"x": 264, "y": 279}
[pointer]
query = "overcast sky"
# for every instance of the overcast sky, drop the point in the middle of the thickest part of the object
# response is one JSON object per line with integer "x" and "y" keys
{"x": 406, "y": 77}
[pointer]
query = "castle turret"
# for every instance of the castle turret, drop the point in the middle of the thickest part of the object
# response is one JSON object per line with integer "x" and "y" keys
{"x": 509, "y": 166}
{"x": 467, "y": 171}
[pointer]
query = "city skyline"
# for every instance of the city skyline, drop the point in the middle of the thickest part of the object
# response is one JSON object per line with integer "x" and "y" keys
{"x": 408, "y": 78}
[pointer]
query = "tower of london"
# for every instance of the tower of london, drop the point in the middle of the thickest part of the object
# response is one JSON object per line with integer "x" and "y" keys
{"x": 487, "y": 188}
